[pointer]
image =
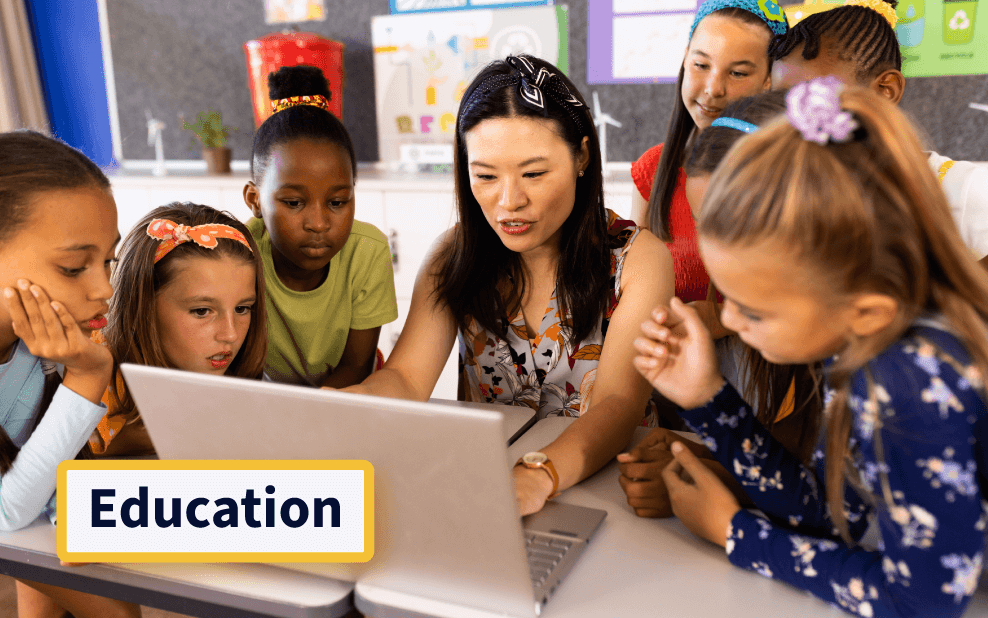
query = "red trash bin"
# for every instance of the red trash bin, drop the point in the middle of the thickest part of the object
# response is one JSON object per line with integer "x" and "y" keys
{"x": 269, "y": 53}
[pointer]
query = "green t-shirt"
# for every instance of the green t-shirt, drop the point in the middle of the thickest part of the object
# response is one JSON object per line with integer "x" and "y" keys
{"x": 307, "y": 331}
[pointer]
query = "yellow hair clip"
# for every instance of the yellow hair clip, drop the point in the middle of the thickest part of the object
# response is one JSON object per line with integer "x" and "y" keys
{"x": 883, "y": 8}
{"x": 316, "y": 100}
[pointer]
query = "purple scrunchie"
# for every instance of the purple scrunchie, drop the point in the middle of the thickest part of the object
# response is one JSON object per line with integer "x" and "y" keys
{"x": 813, "y": 108}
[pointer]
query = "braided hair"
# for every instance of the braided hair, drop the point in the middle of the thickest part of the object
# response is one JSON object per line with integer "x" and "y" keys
{"x": 856, "y": 34}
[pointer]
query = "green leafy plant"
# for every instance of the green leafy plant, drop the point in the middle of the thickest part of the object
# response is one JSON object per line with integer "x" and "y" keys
{"x": 209, "y": 129}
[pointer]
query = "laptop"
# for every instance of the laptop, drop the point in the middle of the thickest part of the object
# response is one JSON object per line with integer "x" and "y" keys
{"x": 447, "y": 526}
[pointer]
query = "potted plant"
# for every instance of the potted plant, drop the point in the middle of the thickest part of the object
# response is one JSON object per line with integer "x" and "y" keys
{"x": 211, "y": 132}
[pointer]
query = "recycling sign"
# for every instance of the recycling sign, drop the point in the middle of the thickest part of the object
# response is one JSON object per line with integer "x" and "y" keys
{"x": 941, "y": 37}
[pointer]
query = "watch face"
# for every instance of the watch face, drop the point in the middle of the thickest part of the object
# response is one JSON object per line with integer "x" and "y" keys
{"x": 535, "y": 458}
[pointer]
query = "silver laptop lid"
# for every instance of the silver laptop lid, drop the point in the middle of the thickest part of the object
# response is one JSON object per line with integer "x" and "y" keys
{"x": 446, "y": 520}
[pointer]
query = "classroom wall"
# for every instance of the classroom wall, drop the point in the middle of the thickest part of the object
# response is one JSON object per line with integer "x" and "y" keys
{"x": 185, "y": 56}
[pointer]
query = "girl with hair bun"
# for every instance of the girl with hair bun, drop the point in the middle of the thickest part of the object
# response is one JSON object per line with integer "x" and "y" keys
{"x": 876, "y": 285}
{"x": 330, "y": 284}
{"x": 544, "y": 285}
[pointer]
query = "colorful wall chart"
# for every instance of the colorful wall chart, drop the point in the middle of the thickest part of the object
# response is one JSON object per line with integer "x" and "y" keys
{"x": 637, "y": 41}
{"x": 414, "y": 6}
{"x": 937, "y": 37}
{"x": 424, "y": 61}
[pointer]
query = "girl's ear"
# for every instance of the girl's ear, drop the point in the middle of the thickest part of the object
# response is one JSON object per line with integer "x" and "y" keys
{"x": 252, "y": 197}
{"x": 891, "y": 84}
{"x": 872, "y": 312}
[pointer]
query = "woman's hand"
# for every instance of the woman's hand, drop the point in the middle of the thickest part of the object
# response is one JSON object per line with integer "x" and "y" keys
{"x": 676, "y": 355}
{"x": 699, "y": 499}
{"x": 49, "y": 331}
{"x": 532, "y": 489}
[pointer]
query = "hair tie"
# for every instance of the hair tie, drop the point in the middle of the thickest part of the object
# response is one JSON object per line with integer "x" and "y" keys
{"x": 813, "y": 108}
{"x": 734, "y": 123}
{"x": 883, "y": 8}
{"x": 768, "y": 11}
{"x": 173, "y": 234}
{"x": 315, "y": 100}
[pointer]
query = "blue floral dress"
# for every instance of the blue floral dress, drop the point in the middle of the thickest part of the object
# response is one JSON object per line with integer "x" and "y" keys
{"x": 918, "y": 444}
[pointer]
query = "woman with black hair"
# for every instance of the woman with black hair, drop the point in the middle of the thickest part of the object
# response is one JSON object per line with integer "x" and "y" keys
{"x": 545, "y": 287}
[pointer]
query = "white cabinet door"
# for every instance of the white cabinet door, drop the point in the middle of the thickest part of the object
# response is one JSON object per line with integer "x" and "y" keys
{"x": 369, "y": 208}
{"x": 446, "y": 386}
{"x": 415, "y": 220}
{"x": 132, "y": 204}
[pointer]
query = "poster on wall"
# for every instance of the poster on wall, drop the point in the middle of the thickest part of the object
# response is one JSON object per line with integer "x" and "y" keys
{"x": 424, "y": 61}
{"x": 936, "y": 37}
{"x": 293, "y": 11}
{"x": 637, "y": 41}
{"x": 415, "y": 6}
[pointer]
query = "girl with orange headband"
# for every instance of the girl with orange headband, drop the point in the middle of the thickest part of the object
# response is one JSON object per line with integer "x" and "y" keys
{"x": 190, "y": 295}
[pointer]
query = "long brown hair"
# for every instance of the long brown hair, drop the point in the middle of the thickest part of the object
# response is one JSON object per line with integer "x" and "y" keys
{"x": 681, "y": 129}
{"x": 30, "y": 164}
{"x": 863, "y": 216}
{"x": 131, "y": 332}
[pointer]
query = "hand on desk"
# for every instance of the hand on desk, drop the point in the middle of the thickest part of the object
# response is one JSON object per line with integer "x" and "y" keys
{"x": 532, "y": 489}
{"x": 699, "y": 499}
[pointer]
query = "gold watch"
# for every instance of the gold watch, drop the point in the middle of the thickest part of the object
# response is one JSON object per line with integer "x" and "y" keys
{"x": 537, "y": 459}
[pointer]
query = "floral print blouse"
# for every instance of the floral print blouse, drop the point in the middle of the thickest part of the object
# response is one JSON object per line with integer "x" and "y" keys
{"x": 918, "y": 444}
{"x": 550, "y": 373}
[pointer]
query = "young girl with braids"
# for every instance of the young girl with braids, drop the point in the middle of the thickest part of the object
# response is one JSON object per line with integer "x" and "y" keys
{"x": 545, "y": 286}
{"x": 727, "y": 59}
{"x": 57, "y": 243}
{"x": 181, "y": 302}
{"x": 857, "y": 43}
{"x": 330, "y": 285}
{"x": 875, "y": 283}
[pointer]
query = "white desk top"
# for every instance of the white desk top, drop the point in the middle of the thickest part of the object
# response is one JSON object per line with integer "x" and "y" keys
{"x": 198, "y": 589}
{"x": 648, "y": 567}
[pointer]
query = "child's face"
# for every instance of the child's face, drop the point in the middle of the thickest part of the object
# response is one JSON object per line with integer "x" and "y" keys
{"x": 726, "y": 60}
{"x": 306, "y": 200}
{"x": 794, "y": 69}
{"x": 523, "y": 175}
{"x": 66, "y": 246}
{"x": 773, "y": 304}
{"x": 204, "y": 312}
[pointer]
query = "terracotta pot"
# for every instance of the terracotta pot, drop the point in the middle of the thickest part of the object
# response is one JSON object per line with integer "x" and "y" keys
{"x": 217, "y": 160}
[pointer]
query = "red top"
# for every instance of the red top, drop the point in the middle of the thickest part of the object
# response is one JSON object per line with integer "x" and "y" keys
{"x": 691, "y": 277}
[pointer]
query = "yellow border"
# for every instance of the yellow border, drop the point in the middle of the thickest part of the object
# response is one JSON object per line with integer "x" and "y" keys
{"x": 218, "y": 464}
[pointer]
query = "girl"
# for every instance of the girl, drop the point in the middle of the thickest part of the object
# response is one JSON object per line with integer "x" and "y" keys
{"x": 858, "y": 44}
{"x": 181, "y": 303}
{"x": 545, "y": 286}
{"x": 786, "y": 396}
{"x": 727, "y": 58}
{"x": 881, "y": 289}
{"x": 56, "y": 247}
{"x": 330, "y": 286}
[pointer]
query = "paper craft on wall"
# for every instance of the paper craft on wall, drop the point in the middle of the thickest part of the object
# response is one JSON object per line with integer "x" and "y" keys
{"x": 415, "y": 6}
{"x": 423, "y": 63}
{"x": 293, "y": 11}
{"x": 637, "y": 41}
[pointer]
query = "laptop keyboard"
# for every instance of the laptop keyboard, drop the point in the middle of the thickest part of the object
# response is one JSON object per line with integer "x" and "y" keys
{"x": 545, "y": 552}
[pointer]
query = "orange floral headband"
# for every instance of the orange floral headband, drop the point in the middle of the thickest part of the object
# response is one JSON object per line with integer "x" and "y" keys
{"x": 173, "y": 234}
{"x": 315, "y": 100}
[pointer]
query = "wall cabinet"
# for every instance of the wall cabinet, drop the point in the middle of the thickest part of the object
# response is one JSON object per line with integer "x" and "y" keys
{"x": 412, "y": 210}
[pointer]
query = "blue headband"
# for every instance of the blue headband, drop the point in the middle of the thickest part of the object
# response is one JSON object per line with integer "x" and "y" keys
{"x": 734, "y": 123}
{"x": 768, "y": 11}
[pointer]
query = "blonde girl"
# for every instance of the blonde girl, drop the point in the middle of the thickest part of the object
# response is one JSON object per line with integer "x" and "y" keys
{"x": 831, "y": 240}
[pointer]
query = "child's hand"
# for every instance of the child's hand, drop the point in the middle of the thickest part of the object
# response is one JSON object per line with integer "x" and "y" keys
{"x": 641, "y": 475}
{"x": 49, "y": 331}
{"x": 676, "y": 355}
{"x": 699, "y": 499}
{"x": 709, "y": 313}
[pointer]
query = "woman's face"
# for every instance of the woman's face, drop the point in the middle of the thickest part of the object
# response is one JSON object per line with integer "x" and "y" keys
{"x": 727, "y": 59}
{"x": 523, "y": 174}
{"x": 204, "y": 312}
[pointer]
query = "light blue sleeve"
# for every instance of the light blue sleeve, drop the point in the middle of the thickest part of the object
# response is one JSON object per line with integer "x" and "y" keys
{"x": 28, "y": 487}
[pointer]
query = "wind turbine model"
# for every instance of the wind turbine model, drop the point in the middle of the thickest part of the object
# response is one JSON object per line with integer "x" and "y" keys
{"x": 155, "y": 127}
{"x": 602, "y": 120}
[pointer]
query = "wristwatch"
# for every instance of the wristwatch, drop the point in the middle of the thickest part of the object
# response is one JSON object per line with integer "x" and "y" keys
{"x": 537, "y": 459}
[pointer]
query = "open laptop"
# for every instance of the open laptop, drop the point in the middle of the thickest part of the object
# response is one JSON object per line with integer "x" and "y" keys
{"x": 447, "y": 526}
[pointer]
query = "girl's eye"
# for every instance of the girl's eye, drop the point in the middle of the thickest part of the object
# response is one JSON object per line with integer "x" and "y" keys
{"x": 700, "y": 65}
{"x": 739, "y": 74}
{"x": 338, "y": 203}
{"x": 751, "y": 317}
{"x": 244, "y": 309}
{"x": 200, "y": 312}
{"x": 72, "y": 272}
{"x": 292, "y": 202}
{"x": 484, "y": 176}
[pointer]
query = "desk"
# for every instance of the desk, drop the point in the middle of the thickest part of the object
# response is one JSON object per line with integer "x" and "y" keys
{"x": 647, "y": 567}
{"x": 213, "y": 590}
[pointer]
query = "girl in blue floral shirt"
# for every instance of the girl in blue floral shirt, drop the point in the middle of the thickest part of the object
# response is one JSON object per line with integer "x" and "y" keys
{"x": 876, "y": 283}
